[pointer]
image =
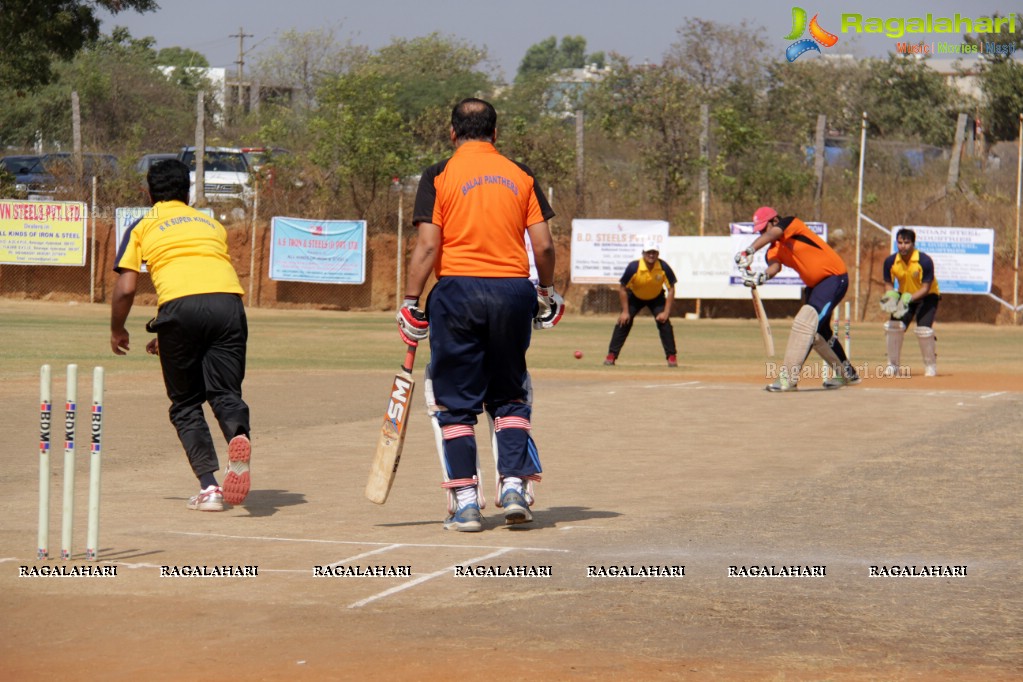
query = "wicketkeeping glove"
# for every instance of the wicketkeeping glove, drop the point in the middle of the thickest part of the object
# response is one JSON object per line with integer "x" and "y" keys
{"x": 413, "y": 326}
{"x": 753, "y": 279}
{"x": 889, "y": 301}
{"x": 744, "y": 259}
{"x": 550, "y": 307}
{"x": 902, "y": 306}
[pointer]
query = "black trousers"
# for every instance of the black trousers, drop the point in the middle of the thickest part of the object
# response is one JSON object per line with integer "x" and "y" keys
{"x": 664, "y": 329}
{"x": 202, "y": 354}
{"x": 924, "y": 310}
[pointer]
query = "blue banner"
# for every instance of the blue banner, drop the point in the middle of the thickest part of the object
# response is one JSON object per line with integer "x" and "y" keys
{"x": 320, "y": 251}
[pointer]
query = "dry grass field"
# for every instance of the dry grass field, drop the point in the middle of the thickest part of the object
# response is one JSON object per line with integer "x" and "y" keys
{"x": 644, "y": 466}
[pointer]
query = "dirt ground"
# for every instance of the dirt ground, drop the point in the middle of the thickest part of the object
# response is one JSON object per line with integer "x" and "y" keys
{"x": 641, "y": 469}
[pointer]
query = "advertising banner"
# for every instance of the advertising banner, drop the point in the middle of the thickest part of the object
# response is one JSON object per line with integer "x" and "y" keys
{"x": 42, "y": 232}
{"x": 319, "y": 251}
{"x": 602, "y": 248}
{"x": 963, "y": 256}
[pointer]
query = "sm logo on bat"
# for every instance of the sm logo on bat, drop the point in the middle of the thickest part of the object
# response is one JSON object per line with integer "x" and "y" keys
{"x": 397, "y": 408}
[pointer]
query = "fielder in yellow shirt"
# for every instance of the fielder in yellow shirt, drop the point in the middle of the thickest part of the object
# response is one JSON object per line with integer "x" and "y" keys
{"x": 646, "y": 283}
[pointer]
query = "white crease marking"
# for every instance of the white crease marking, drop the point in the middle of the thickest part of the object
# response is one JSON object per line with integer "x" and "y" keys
{"x": 424, "y": 578}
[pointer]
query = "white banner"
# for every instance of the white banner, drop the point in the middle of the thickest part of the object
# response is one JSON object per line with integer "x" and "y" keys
{"x": 704, "y": 266}
{"x": 963, "y": 256}
{"x": 601, "y": 249}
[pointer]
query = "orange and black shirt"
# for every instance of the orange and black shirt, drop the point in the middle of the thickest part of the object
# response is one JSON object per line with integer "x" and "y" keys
{"x": 482, "y": 202}
{"x": 802, "y": 250}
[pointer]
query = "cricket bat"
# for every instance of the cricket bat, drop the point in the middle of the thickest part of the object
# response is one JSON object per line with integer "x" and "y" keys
{"x": 392, "y": 433}
{"x": 765, "y": 324}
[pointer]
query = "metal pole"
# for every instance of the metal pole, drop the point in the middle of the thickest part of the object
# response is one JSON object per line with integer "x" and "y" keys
{"x": 253, "y": 277}
{"x": 859, "y": 212}
{"x": 92, "y": 258}
{"x": 1019, "y": 191}
{"x": 580, "y": 163}
{"x": 704, "y": 143}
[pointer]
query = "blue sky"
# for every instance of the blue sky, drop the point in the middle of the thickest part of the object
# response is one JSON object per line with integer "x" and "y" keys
{"x": 638, "y": 29}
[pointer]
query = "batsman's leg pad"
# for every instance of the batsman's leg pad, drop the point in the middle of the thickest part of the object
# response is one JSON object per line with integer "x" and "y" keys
{"x": 826, "y": 350}
{"x": 804, "y": 329}
{"x": 511, "y": 434}
{"x": 928, "y": 346}
{"x": 895, "y": 333}
{"x": 458, "y": 440}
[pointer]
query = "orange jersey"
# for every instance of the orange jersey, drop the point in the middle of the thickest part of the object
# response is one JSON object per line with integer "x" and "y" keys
{"x": 802, "y": 250}
{"x": 482, "y": 202}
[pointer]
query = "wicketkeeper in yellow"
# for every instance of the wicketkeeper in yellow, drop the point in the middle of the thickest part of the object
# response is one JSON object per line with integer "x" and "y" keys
{"x": 917, "y": 297}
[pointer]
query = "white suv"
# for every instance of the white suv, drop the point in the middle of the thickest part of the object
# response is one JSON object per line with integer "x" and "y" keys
{"x": 226, "y": 174}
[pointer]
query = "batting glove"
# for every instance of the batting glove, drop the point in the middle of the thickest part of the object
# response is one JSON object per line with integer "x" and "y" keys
{"x": 413, "y": 326}
{"x": 744, "y": 259}
{"x": 550, "y": 307}
{"x": 902, "y": 307}
{"x": 753, "y": 279}
{"x": 889, "y": 301}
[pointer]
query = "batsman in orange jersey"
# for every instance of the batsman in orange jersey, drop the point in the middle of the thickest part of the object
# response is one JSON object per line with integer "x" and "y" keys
{"x": 790, "y": 242}
{"x": 472, "y": 213}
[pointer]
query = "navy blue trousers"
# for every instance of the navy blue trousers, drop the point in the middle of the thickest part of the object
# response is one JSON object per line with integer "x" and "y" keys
{"x": 824, "y": 298}
{"x": 480, "y": 329}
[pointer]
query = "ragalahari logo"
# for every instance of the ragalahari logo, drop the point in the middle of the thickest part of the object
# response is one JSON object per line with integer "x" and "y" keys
{"x": 804, "y": 45}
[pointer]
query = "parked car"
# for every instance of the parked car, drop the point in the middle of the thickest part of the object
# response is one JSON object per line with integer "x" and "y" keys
{"x": 43, "y": 176}
{"x": 226, "y": 174}
{"x": 261, "y": 161}
{"x": 148, "y": 160}
{"x": 28, "y": 172}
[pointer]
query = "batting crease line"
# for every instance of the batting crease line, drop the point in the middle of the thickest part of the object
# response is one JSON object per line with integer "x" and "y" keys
{"x": 367, "y": 542}
{"x": 423, "y": 579}
{"x": 365, "y": 554}
{"x": 993, "y": 395}
{"x": 687, "y": 383}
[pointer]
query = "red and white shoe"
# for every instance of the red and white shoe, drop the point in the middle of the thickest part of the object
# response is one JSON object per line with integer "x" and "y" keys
{"x": 210, "y": 499}
{"x": 237, "y": 482}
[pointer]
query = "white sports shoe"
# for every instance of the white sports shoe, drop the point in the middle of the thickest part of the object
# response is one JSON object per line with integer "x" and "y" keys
{"x": 210, "y": 499}
{"x": 930, "y": 370}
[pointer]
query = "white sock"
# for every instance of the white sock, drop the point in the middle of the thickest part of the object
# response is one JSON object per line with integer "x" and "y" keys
{"x": 513, "y": 482}
{"x": 466, "y": 495}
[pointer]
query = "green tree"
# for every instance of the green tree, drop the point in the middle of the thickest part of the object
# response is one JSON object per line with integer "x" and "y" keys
{"x": 749, "y": 169}
{"x": 527, "y": 132}
{"x": 906, "y": 99}
{"x": 181, "y": 56}
{"x": 38, "y": 32}
{"x": 797, "y": 92}
{"x": 1001, "y": 82}
{"x": 127, "y": 103}
{"x": 430, "y": 74}
{"x": 547, "y": 57}
{"x": 360, "y": 141}
{"x": 657, "y": 110}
